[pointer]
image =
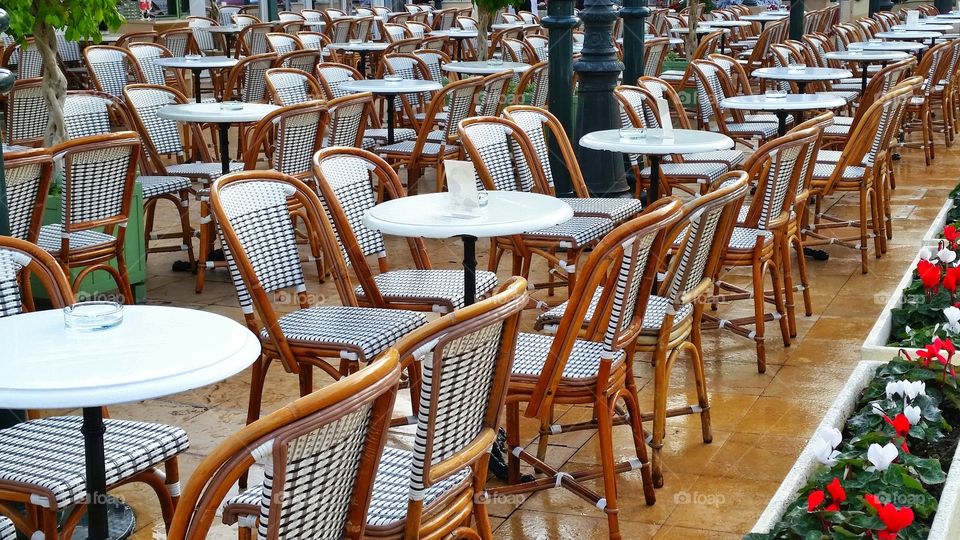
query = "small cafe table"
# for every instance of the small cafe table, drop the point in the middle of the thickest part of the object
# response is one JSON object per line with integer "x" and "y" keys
{"x": 197, "y": 65}
{"x": 390, "y": 90}
{"x": 801, "y": 76}
{"x": 864, "y": 58}
{"x": 783, "y": 106}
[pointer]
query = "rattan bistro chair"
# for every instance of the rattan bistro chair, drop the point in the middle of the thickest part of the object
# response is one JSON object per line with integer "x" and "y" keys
{"x": 112, "y": 68}
{"x": 319, "y": 453}
{"x": 592, "y": 369}
{"x": 98, "y": 176}
{"x": 28, "y": 175}
{"x": 288, "y": 86}
{"x": 432, "y": 490}
{"x": 253, "y": 208}
{"x": 42, "y": 462}
{"x": 346, "y": 177}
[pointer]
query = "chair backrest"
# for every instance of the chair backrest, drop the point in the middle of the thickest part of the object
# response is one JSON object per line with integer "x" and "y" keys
{"x": 294, "y": 132}
{"x": 434, "y": 60}
{"x": 146, "y": 55}
{"x": 313, "y": 40}
{"x": 710, "y": 91}
{"x": 409, "y": 66}
{"x": 281, "y": 43}
{"x": 404, "y": 46}
{"x": 177, "y": 40}
{"x": 160, "y": 136}
{"x": 509, "y": 18}
{"x": 18, "y": 258}
{"x": 111, "y": 68}
{"x": 444, "y": 19}
{"x": 137, "y": 37}
{"x": 246, "y": 80}
{"x": 201, "y": 35}
{"x": 625, "y": 263}
{"x": 659, "y": 88}
{"x": 27, "y": 175}
{"x": 67, "y": 51}
{"x": 533, "y": 85}
{"x": 331, "y": 76}
{"x": 418, "y": 29}
{"x": 244, "y": 20}
{"x": 226, "y": 14}
{"x": 348, "y": 119}
{"x": 287, "y": 86}
{"x": 27, "y": 59}
{"x": 399, "y": 18}
{"x": 305, "y": 60}
{"x": 98, "y": 176}
{"x": 394, "y": 32}
{"x": 27, "y": 115}
{"x": 540, "y": 46}
{"x": 361, "y": 28}
{"x": 654, "y": 53}
{"x": 494, "y": 92}
{"x": 88, "y": 112}
{"x": 311, "y": 15}
{"x": 339, "y": 30}
{"x": 288, "y": 16}
{"x": 252, "y": 40}
{"x": 503, "y": 155}
{"x": 460, "y": 97}
{"x": 537, "y": 123}
{"x": 513, "y": 50}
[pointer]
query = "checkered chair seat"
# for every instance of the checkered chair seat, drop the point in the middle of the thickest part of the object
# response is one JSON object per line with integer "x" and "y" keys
{"x": 848, "y": 86}
{"x": 7, "y": 530}
{"x": 849, "y": 95}
{"x": 583, "y": 362}
{"x": 732, "y": 158}
{"x": 828, "y": 156}
{"x": 748, "y": 129}
{"x": 441, "y": 287}
{"x": 744, "y": 238}
{"x": 7, "y": 148}
{"x": 399, "y": 134}
{"x": 575, "y": 232}
{"x": 843, "y": 120}
{"x": 549, "y": 320}
{"x": 363, "y": 333}
{"x": 652, "y": 317}
{"x": 672, "y": 75}
{"x": 205, "y": 171}
{"x": 708, "y": 171}
{"x": 437, "y": 136}
{"x": 50, "y": 236}
{"x": 765, "y": 118}
{"x": 837, "y": 130}
{"x": 367, "y": 143}
{"x": 617, "y": 210}
{"x": 391, "y": 488}
{"x": 162, "y": 185}
{"x": 441, "y": 117}
{"x": 822, "y": 171}
{"x": 47, "y": 455}
{"x": 406, "y": 147}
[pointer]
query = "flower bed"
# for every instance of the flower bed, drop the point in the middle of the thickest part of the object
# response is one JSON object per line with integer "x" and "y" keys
{"x": 876, "y": 347}
{"x": 947, "y": 216}
{"x": 877, "y": 465}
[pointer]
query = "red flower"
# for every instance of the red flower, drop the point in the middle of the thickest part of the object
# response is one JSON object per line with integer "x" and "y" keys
{"x": 946, "y": 345}
{"x": 928, "y": 353}
{"x": 900, "y": 424}
{"x": 929, "y": 274}
{"x": 951, "y": 233}
{"x": 817, "y": 497}
{"x": 873, "y": 501}
{"x": 951, "y": 279}
{"x": 895, "y": 519}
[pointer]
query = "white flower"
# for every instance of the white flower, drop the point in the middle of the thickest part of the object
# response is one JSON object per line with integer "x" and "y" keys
{"x": 908, "y": 330}
{"x": 952, "y": 314}
{"x": 927, "y": 253}
{"x": 946, "y": 255}
{"x": 912, "y": 413}
{"x": 893, "y": 388}
{"x": 915, "y": 388}
{"x": 882, "y": 456}
{"x": 824, "y": 442}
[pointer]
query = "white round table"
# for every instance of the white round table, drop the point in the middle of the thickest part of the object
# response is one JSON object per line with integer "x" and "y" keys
{"x": 390, "y": 90}
{"x": 916, "y": 35}
{"x": 802, "y": 76}
{"x": 429, "y": 216}
{"x": 923, "y": 27}
{"x": 724, "y": 25}
{"x": 905, "y": 46}
{"x": 146, "y": 356}
{"x": 508, "y": 26}
{"x": 229, "y": 33}
{"x": 316, "y": 24}
{"x": 197, "y": 65}
{"x": 647, "y": 37}
{"x": 654, "y": 145}
{"x": 363, "y": 49}
{"x": 865, "y": 58}
{"x": 458, "y": 35}
{"x": 782, "y": 107}
{"x": 212, "y": 113}
{"x": 764, "y": 17}
{"x": 479, "y": 67}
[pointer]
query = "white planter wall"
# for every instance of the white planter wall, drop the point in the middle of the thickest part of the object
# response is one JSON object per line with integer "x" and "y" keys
{"x": 932, "y": 236}
{"x": 875, "y": 346}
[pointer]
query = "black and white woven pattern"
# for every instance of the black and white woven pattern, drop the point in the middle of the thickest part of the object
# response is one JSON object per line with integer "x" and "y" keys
{"x": 368, "y": 330}
{"x": 51, "y": 235}
{"x": 176, "y": 42}
{"x": 407, "y": 147}
{"x": 578, "y": 231}
{"x": 302, "y": 60}
{"x": 706, "y": 171}
{"x": 162, "y": 185}
{"x": 110, "y": 68}
{"x": 281, "y": 44}
{"x": 732, "y": 158}
{"x": 782, "y": 169}
{"x": 399, "y": 134}
{"x": 23, "y": 188}
{"x": 252, "y": 79}
{"x": 490, "y": 104}
{"x": 7, "y": 530}
{"x": 823, "y": 171}
{"x": 202, "y": 171}
{"x": 541, "y": 85}
{"x": 583, "y": 362}
{"x": 617, "y": 210}
{"x": 334, "y": 76}
{"x": 709, "y": 88}
{"x": 540, "y": 47}
{"x": 391, "y": 489}
{"x": 310, "y": 40}
{"x": 288, "y": 88}
{"x": 146, "y": 55}
{"x": 339, "y": 31}
{"x": 534, "y": 126}
{"x": 349, "y": 178}
{"x": 227, "y": 13}
{"x": 744, "y": 238}
{"x": 255, "y": 40}
{"x": 697, "y": 241}
{"x": 346, "y": 122}
{"x": 829, "y": 156}
{"x": 86, "y": 115}
{"x": 657, "y": 308}
{"x": 434, "y": 62}
{"x": 27, "y": 114}
{"x": 459, "y": 106}
{"x": 496, "y": 148}
{"x": 297, "y": 134}
{"x": 201, "y": 35}
{"x": 749, "y": 129}
{"x": 30, "y": 63}
{"x": 632, "y": 266}
{"x": 438, "y": 287}
{"x": 68, "y": 51}
{"x": 554, "y": 314}
{"x": 409, "y": 68}
{"x": 48, "y": 454}
{"x": 95, "y": 183}
{"x": 11, "y": 263}
{"x": 163, "y": 134}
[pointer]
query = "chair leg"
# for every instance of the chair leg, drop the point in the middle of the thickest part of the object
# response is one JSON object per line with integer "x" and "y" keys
{"x": 608, "y": 460}
{"x": 186, "y": 229}
{"x": 639, "y": 441}
{"x": 784, "y": 250}
{"x": 205, "y": 225}
{"x": 306, "y": 380}
{"x": 544, "y": 440}
{"x": 171, "y": 469}
{"x": 149, "y": 206}
{"x": 863, "y": 230}
{"x": 48, "y": 524}
{"x": 122, "y": 277}
{"x": 776, "y": 279}
{"x": 661, "y": 382}
{"x": 758, "y": 312}
{"x": 797, "y": 242}
{"x": 513, "y": 441}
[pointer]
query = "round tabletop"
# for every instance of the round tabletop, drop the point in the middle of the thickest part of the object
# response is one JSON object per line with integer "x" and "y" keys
{"x": 908, "y": 35}
{"x": 202, "y": 62}
{"x": 321, "y": 24}
{"x": 886, "y": 45}
{"x": 924, "y": 27}
{"x": 484, "y": 68}
{"x": 381, "y": 86}
{"x": 361, "y": 47}
{"x": 683, "y": 141}
{"x": 726, "y": 24}
{"x": 789, "y": 102}
{"x": 946, "y": 17}
{"x": 429, "y": 215}
{"x": 764, "y": 17}
{"x": 146, "y": 356}
{"x": 859, "y": 55}
{"x": 700, "y": 29}
{"x": 804, "y": 74}
{"x": 211, "y": 112}
{"x": 647, "y": 37}
{"x": 507, "y": 26}
{"x": 455, "y": 33}
{"x": 234, "y": 29}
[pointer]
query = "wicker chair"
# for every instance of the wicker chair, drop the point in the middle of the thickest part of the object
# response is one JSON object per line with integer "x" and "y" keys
{"x": 431, "y": 490}
{"x": 591, "y": 369}
{"x": 345, "y": 177}
{"x": 252, "y": 40}
{"x": 87, "y": 113}
{"x": 112, "y": 68}
{"x": 759, "y": 239}
{"x": 264, "y": 259}
{"x": 506, "y": 160}
{"x": 146, "y": 55}
{"x": 203, "y": 39}
{"x": 493, "y": 95}
{"x": 348, "y": 121}
{"x": 320, "y": 455}
{"x": 680, "y": 80}
{"x": 28, "y": 175}
{"x": 291, "y": 134}
{"x": 287, "y": 86}
{"x": 161, "y": 137}
{"x": 42, "y": 463}
{"x": 538, "y": 123}
{"x": 710, "y": 92}
{"x": 179, "y": 41}
{"x": 282, "y": 43}
{"x": 27, "y": 59}
{"x": 537, "y": 77}
{"x": 26, "y": 115}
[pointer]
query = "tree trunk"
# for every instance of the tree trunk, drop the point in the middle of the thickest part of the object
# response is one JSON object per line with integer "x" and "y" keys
{"x": 693, "y": 9}
{"x": 484, "y": 18}
{"x": 54, "y": 82}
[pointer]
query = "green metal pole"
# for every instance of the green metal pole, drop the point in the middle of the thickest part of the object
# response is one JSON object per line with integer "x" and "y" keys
{"x": 272, "y": 10}
{"x": 634, "y": 14}
{"x": 796, "y": 19}
{"x": 560, "y": 23}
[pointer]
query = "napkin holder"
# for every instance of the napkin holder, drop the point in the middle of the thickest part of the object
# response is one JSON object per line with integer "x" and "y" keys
{"x": 913, "y": 17}
{"x": 462, "y": 187}
{"x": 666, "y": 123}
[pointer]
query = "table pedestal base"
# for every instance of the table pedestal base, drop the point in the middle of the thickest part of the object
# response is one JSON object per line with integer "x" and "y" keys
{"x": 469, "y": 269}
{"x": 120, "y": 520}
{"x": 93, "y": 430}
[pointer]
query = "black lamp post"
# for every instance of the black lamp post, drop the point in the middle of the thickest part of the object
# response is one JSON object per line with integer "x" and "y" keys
{"x": 560, "y": 23}
{"x": 943, "y": 6}
{"x": 796, "y": 19}
{"x": 634, "y": 14}
{"x": 6, "y": 83}
{"x": 597, "y": 108}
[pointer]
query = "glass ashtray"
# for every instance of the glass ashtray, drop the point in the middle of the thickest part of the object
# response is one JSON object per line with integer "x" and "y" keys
{"x": 392, "y": 78}
{"x": 775, "y": 94}
{"x": 192, "y": 57}
{"x": 797, "y": 67}
{"x": 633, "y": 135}
{"x": 92, "y": 316}
{"x": 231, "y": 105}
{"x": 355, "y": 41}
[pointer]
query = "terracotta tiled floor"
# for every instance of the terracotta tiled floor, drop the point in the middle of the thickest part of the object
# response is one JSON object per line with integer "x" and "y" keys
{"x": 711, "y": 490}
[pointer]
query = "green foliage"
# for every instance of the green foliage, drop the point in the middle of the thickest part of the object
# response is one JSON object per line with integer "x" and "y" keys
{"x": 921, "y": 313}
{"x": 79, "y": 18}
{"x": 492, "y": 6}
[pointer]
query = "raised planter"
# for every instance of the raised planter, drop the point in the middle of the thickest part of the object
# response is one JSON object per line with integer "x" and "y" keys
{"x": 932, "y": 236}
{"x": 100, "y": 283}
{"x": 875, "y": 346}
{"x": 946, "y": 523}
{"x": 688, "y": 97}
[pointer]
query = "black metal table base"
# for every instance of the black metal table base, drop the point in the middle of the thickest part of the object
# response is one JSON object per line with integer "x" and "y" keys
{"x": 93, "y": 430}
{"x": 121, "y": 521}
{"x": 469, "y": 269}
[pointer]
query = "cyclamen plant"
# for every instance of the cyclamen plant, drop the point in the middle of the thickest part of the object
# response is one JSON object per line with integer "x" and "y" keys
{"x": 931, "y": 307}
